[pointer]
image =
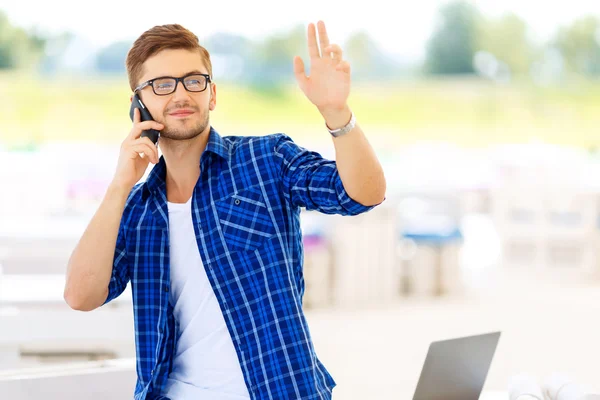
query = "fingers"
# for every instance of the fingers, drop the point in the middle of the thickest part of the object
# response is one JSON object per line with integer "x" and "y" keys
{"x": 145, "y": 149}
{"x": 138, "y": 127}
{"x": 331, "y": 51}
{"x": 313, "y": 49}
{"x": 141, "y": 146}
{"x": 323, "y": 38}
{"x": 334, "y": 51}
{"x": 147, "y": 141}
{"x": 145, "y": 125}
{"x": 337, "y": 59}
{"x": 343, "y": 66}
{"x": 299, "y": 72}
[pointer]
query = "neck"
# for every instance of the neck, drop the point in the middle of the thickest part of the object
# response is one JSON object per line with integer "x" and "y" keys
{"x": 182, "y": 158}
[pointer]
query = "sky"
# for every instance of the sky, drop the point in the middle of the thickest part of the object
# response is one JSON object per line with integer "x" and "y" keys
{"x": 401, "y": 28}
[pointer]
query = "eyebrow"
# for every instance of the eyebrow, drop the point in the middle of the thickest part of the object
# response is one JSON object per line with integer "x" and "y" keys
{"x": 195, "y": 71}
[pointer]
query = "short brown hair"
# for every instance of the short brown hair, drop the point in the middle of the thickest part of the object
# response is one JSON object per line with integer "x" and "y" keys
{"x": 157, "y": 39}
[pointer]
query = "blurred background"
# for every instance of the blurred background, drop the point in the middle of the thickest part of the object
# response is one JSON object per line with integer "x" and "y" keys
{"x": 484, "y": 115}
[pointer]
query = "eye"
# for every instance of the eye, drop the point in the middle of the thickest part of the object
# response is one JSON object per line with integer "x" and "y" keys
{"x": 197, "y": 81}
{"x": 164, "y": 85}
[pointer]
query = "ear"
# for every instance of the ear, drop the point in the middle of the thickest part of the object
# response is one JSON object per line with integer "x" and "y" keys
{"x": 212, "y": 102}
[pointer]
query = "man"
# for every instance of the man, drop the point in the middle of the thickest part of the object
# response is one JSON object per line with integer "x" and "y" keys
{"x": 211, "y": 241}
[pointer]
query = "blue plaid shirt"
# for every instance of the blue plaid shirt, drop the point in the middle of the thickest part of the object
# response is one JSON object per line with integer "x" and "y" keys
{"x": 246, "y": 213}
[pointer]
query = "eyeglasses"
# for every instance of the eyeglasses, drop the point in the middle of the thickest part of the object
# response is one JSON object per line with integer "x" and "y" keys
{"x": 165, "y": 85}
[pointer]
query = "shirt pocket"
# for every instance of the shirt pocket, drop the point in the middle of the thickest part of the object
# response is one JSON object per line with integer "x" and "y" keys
{"x": 245, "y": 220}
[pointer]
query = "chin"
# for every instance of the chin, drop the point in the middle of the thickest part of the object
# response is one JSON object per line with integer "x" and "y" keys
{"x": 181, "y": 134}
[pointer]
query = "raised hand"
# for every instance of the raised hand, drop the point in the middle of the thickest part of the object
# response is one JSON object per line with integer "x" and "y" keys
{"x": 328, "y": 85}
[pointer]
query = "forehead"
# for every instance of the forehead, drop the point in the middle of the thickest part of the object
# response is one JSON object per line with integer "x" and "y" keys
{"x": 173, "y": 63}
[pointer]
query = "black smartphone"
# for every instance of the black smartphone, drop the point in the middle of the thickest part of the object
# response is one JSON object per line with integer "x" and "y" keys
{"x": 145, "y": 115}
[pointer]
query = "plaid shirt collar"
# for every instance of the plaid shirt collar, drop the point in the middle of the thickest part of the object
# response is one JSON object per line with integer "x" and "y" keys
{"x": 156, "y": 182}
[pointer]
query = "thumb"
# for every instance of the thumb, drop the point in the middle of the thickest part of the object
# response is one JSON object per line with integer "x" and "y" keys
{"x": 299, "y": 72}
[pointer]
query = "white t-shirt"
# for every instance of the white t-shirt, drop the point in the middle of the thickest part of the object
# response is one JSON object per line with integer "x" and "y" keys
{"x": 205, "y": 364}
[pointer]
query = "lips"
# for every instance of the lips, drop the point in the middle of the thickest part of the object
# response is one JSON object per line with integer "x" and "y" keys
{"x": 181, "y": 113}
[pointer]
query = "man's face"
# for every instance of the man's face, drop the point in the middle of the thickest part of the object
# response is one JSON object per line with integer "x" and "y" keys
{"x": 164, "y": 109}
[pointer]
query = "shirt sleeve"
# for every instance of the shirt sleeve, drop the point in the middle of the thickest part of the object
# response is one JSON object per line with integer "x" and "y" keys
{"x": 120, "y": 273}
{"x": 308, "y": 180}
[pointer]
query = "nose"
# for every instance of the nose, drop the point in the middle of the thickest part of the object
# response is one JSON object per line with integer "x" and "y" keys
{"x": 180, "y": 93}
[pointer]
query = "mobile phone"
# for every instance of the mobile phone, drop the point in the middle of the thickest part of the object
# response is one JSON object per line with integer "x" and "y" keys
{"x": 145, "y": 115}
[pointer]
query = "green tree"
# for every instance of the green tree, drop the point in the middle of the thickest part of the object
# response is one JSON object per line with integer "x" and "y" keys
{"x": 55, "y": 47}
{"x": 367, "y": 60}
{"x": 506, "y": 38}
{"x": 452, "y": 46}
{"x": 111, "y": 59}
{"x": 18, "y": 48}
{"x": 579, "y": 44}
{"x": 273, "y": 58}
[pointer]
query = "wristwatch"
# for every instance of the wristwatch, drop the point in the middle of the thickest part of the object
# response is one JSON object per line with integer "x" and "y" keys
{"x": 343, "y": 130}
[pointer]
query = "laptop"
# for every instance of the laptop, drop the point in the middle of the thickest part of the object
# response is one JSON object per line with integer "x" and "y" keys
{"x": 456, "y": 369}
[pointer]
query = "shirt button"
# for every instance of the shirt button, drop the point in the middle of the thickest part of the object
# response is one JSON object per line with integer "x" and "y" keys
{"x": 237, "y": 202}
{"x": 166, "y": 288}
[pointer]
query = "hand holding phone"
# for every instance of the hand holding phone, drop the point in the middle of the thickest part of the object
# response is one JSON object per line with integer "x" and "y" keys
{"x": 145, "y": 115}
{"x": 136, "y": 152}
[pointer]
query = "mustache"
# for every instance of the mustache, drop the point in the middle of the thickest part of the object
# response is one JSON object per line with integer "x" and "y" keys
{"x": 179, "y": 107}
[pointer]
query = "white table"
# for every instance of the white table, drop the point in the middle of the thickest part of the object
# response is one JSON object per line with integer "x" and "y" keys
{"x": 38, "y": 321}
{"x": 39, "y": 244}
